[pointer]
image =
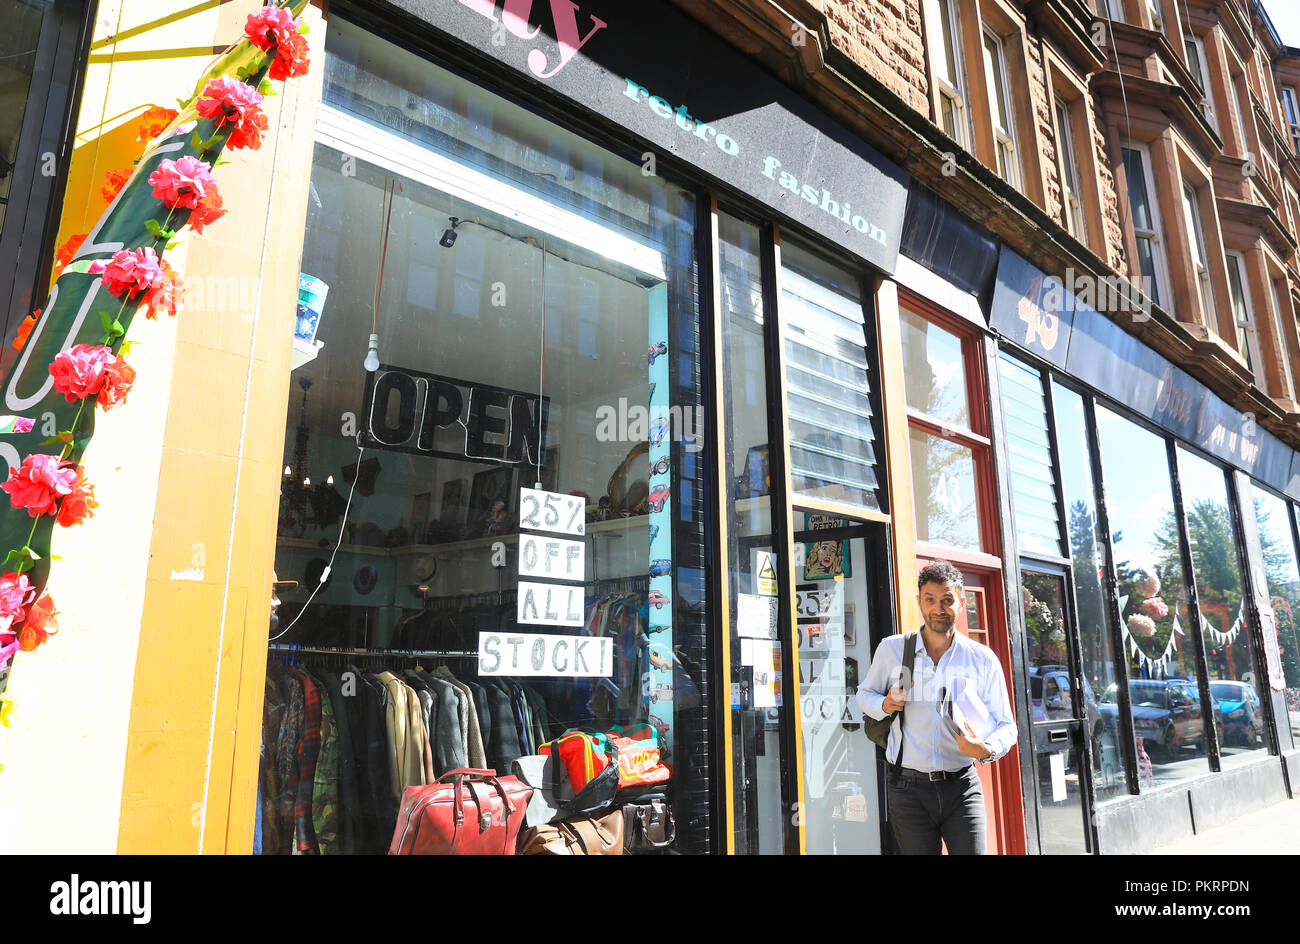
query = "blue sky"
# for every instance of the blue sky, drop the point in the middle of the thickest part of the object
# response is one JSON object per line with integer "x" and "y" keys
{"x": 1285, "y": 15}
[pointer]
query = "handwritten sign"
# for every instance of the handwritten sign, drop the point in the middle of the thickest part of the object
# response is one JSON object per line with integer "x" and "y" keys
{"x": 555, "y": 558}
{"x": 534, "y": 654}
{"x": 550, "y": 604}
{"x": 552, "y": 511}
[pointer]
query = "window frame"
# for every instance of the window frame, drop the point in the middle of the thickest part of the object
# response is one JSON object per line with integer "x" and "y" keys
{"x": 953, "y": 93}
{"x": 1194, "y": 47}
{"x": 1291, "y": 112}
{"x": 1199, "y": 254}
{"x": 1247, "y": 334}
{"x": 1159, "y": 262}
{"x": 1006, "y": 156}
{"x": 1072, "y": 212}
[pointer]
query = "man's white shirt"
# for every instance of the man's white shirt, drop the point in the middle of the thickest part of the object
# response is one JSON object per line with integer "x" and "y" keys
{"x": 929, "y": 744}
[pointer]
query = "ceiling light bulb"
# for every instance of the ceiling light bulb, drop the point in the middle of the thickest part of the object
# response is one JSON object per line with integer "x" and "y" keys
{"x": 329, "y": 480}
{"x": 288, "y": 471}
{"x": 371, "y": 363}
{"x": 306, "y": 480}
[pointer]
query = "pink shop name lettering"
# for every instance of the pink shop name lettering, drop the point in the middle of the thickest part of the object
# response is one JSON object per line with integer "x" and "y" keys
{"x": 517, "y": 18}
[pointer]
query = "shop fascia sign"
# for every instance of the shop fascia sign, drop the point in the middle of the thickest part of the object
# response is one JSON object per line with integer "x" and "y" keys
{"x": 1041, "y": 315}
{"x": 430, "y": 415}
{"x": 653, "y": 70}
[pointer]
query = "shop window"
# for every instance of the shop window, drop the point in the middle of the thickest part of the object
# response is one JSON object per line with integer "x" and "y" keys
{"x": 1235, "y": 680}
{"x": 1145, "y": 218}
{"x": 1097, "y": 654}
{"x": 1200, "y": 259}
{"x": 1242, "y": 313}
{"x": 531, "y": 309}
{"x": 1033, "y": 478}
{"x": 1000, "y": 108}
{"x": 828, "y": 382}
{"x": 1169, "y": 721}
{"x": 1282, "y": 576}
{"x": 1071, "y": 202}
{"x": 757, "y": 736}
{"x": 949, "y": 72}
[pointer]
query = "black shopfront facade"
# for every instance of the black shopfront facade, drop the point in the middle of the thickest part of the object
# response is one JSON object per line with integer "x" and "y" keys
{"x": 623, "y": 263}
{"x": 1155, "y": 529}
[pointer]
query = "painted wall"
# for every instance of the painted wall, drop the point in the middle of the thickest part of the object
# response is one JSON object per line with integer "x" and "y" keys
{"x": 142, "y": 715}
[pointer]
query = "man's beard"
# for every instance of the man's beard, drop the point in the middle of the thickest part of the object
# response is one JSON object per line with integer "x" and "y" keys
{"x": 939, "y": 624}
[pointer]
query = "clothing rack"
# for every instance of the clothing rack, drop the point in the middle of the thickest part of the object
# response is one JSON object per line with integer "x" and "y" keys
{"x": 392, "y": 653}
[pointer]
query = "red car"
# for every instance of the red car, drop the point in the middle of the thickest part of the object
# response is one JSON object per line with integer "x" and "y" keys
{"x": 657, "y": 600}
{"x": 658, "y": 495}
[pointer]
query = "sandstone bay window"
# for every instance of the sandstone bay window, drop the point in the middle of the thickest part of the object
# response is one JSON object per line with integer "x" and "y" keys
{"x": 1200, "y": 259}
{"x": 944, "y": 22}
{"x": 1000, "y": 107}
{"x": 1242, "y": 313}
{"x": 1071, "y": 203}
{"x": 536, "y": 327}
{"x": 1145, "y": 219}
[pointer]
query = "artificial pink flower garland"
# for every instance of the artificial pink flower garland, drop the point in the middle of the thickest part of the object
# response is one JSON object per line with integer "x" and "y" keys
{"x": 52, "y": 484}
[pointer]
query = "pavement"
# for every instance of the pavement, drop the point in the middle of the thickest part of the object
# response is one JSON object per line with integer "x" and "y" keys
{"x": 1274, "y": 830}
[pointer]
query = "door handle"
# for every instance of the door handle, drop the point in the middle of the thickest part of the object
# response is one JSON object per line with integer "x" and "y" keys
{"x": 1057, "y": 736}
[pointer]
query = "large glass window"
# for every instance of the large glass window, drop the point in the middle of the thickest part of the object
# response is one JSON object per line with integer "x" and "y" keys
{"x": 18, "y": 47}
{"x": 532, "y": 302}
{"x": 1282, "y": 574}
{"x": 756, "y": 669}
{"x": 1169, "y": 720}
{"x": 1097, "y": 658}
{"x": 949, "y": 73}
{"x": 1234, "y": 680}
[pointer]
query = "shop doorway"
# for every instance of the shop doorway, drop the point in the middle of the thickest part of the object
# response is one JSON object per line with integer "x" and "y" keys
{"x": 1066, "y": 723}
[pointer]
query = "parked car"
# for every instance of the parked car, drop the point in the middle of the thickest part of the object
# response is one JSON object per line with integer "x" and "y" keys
{"x": 1050, "y": 699}
{"x": 1243, "y": 715}
{"x": 1167, "y": 713}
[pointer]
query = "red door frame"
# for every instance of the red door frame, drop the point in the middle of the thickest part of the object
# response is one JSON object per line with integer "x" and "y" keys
{"x": 1003, "y": 782}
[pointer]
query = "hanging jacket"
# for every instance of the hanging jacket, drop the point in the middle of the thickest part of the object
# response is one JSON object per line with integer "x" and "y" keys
{"x": 395, "y": 720}
{"x": 470, "y": 729}
{"x": 505, "y": 746}
{"x": 448, "y": 747}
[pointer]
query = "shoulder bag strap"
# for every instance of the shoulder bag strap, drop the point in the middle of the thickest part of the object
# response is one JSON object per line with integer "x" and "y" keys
{"x": 909, "y": 661}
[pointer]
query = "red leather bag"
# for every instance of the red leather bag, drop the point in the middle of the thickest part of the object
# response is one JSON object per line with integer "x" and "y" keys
{"x": 467, "y": 812}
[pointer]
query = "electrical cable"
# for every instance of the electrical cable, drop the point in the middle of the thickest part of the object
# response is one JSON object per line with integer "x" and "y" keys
{"x": 325, "y": 574}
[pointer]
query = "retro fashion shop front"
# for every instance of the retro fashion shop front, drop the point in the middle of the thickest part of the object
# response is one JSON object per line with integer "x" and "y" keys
{"x": 501, "y": 319}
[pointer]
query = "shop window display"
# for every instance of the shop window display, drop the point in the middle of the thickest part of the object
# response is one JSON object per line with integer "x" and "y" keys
{"x": 1236, "y": 709}
{"x": 1169, "y": 720}
{"x": 1282, "y": 575}
{"x": 489, "y": 305}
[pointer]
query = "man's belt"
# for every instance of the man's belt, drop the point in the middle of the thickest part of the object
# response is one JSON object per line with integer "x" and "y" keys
{"x": 907, "y": 773}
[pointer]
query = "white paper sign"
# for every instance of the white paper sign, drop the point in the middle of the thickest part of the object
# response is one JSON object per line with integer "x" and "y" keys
{"x": 550, "y": 604}
{"x": 755, "y": 616}
{"x": 1057, "y": 763}
{"x": 534, "y": 654}
{"x": 556, "y": 558}
{"x": 552, "y": 511}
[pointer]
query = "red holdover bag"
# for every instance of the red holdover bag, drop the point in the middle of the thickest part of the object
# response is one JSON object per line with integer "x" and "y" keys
{"x": 436, "y": 819}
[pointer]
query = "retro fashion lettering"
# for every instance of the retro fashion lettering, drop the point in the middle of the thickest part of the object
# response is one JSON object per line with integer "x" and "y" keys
{"x": 516, "y": 16}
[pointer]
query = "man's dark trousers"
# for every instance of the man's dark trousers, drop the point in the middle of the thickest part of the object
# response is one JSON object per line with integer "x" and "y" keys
{"x": 923, "y": 813}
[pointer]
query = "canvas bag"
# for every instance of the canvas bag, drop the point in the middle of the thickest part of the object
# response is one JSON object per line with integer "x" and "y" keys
{"x": 877, "y": 730}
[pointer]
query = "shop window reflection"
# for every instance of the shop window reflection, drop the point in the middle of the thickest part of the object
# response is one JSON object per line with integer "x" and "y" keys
{"x": 1169, "y": 720}
{"x": 1282, "y": 573}
{"x": 1237, "y": 712}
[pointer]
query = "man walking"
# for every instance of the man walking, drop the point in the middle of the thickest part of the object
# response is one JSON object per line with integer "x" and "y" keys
{"x": 935, "y": 795}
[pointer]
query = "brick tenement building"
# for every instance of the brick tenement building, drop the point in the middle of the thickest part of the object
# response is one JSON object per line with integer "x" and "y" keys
{"x": 623, "y": 364}
{"x": 1049, "y": 107}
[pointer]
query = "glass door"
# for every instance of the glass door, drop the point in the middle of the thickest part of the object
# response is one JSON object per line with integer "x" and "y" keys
{"x": 1064, "y": 714}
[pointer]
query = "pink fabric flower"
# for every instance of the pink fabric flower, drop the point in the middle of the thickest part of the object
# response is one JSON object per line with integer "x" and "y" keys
{"x": 16, "y": 591}
{"x": 181, "y": 183}
{"x": 269, "y": 26}
{"x": 229, "y": 101}
{"x": 8, "y": 646}
{"x": 1148, "y": 586}
{"x": 79, "y": 372}
{"x": 129, "y": 272}
{"x": 1155, "y": 608}
{"x": 118, "y": 378}
{"x": 39, "y": 483}
{"x": 23, "y": 425}
{"x": 272, "y": 28}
